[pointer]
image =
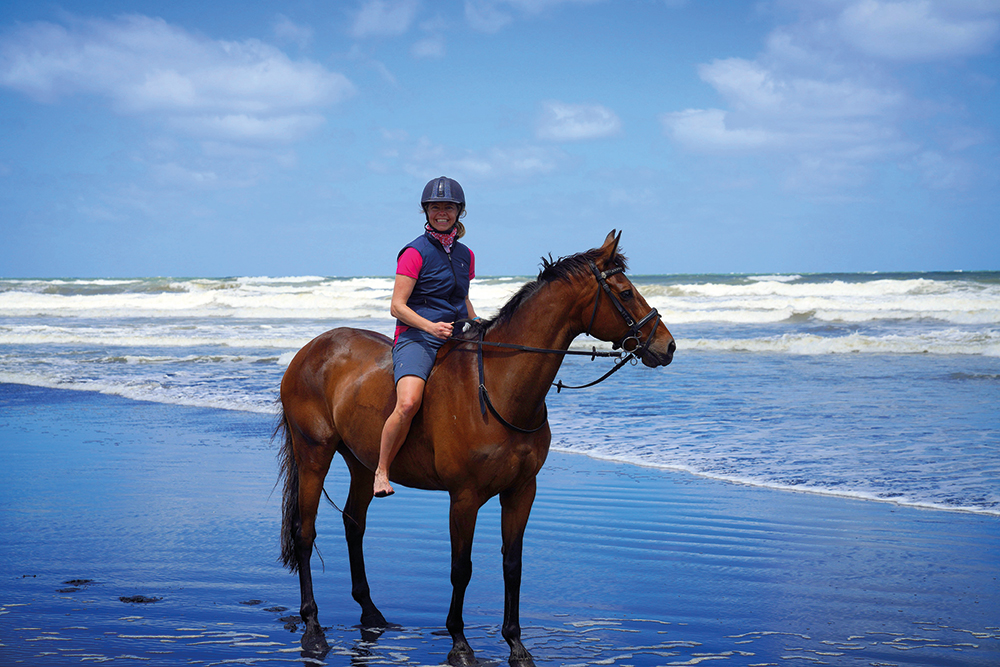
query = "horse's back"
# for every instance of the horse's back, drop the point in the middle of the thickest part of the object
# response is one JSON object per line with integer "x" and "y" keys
{"x": 339, "y": 387}
{"x": 347, "y": 352}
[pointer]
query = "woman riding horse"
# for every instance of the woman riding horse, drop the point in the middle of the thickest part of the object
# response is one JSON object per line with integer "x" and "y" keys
{"x": 338, "y": 392}
{"x": 431, "y": 292}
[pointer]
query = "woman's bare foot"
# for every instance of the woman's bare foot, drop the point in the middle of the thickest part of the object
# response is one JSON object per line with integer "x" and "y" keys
{"x": 382, "y": 488}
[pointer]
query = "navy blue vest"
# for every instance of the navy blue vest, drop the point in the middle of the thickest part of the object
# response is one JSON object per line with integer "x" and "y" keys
{"x": 443, "y": 283}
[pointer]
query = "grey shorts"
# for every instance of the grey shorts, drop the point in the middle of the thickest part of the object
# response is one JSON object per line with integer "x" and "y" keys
{"x": 414, "y": 353}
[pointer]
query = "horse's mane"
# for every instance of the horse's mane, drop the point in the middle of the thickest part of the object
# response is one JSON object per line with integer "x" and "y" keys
{"x": 564, "y": 268}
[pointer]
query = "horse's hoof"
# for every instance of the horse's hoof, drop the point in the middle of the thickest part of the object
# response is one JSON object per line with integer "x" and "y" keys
{"x": 314, "y": 644}
{"x": 523, "y": 660}
{"x": 373, "y": 619}
{"x": 519, "y": 656}
{"x": 462, "y": 657}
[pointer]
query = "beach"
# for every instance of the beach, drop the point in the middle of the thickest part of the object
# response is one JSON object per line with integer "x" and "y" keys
{"x": 726, "y": 267}
{"x": 139, "y": 532}
{"x": 873, "y": 386}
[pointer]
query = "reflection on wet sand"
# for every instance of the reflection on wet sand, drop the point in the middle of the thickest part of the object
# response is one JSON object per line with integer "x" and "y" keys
{"x": 140, "y": 533}
{"x": 573, "y": 643}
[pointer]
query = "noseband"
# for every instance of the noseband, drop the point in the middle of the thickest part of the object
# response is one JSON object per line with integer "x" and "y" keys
{"x": 633, "y": 334}
{"x": 634, "y": 328}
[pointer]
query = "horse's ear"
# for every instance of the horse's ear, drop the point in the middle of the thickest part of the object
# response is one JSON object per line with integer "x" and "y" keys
{"x": 610, "y": 246}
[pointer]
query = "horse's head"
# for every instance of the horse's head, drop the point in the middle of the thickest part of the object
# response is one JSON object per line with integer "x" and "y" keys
{"x": 621, "y": 315}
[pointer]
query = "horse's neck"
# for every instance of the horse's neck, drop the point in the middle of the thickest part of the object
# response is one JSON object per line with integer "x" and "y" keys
{"x": 550, "y": 320}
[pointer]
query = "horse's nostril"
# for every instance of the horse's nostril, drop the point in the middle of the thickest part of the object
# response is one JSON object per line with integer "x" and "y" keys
{"x": 671, "y": 347}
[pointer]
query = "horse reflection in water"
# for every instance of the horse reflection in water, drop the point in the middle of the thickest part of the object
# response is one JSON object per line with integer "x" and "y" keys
{"x": 338, "y": 391}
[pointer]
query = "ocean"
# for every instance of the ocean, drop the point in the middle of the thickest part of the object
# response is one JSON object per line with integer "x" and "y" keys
{"x": 875, "y": 386}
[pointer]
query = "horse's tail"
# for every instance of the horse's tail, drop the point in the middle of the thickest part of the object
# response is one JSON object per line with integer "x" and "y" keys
{"x": 289, "y": 473}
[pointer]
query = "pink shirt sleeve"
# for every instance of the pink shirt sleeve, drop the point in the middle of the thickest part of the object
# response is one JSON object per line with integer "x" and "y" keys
{"x": 409, "y": 263}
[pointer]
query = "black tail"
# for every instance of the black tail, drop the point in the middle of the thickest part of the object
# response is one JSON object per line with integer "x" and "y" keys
{"x": 289, "y": 472}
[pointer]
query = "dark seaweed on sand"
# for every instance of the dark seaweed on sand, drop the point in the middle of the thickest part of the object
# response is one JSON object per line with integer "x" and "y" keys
{"x": 75, "y": 585}
{"x": 139, "y": 599}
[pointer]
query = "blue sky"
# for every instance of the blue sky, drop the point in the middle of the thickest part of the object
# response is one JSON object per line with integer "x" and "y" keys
{"x": 250, "y": 138}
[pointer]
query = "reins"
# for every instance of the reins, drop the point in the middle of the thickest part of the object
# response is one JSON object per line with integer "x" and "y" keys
{"x": 621, "y": 355}
{"x": 593, "y": 353}
{"x": 484, "y": 395}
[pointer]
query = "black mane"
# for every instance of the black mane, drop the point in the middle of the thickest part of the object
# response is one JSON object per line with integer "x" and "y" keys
{"x": 564, "y": 268}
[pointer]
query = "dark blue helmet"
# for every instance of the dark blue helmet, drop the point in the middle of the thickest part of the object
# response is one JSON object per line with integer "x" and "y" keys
{"x": 443, "y": 188}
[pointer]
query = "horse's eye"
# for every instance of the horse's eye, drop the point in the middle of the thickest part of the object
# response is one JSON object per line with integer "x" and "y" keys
{"x": 626, "y": 294}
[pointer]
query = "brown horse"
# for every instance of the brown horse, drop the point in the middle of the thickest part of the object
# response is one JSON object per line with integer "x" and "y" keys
{"x": 338, "y": 391}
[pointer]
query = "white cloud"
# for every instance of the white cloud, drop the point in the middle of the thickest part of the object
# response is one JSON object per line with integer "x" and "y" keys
{"x": 746, "y": 84}
{"x": 384, "y": 18}
{"x": 538, "y": 6}
{"x": 705, "y": 129}
{"x": 426, "y": 159}
{"x": 520, "y": 161}
{"x": 149, "y": 67}
{"x": 241, "y": 127}
{"x": 575, "y": 122}
{"x": 486, "y": 16}
{"x": 785, "y": 104}
{"x": 430, "y": 47}
{"x": 918, "y": 31}
{"x": 494, "y": 15}
{"x": 289, "y": 32}
{"x": 823, "y": 101}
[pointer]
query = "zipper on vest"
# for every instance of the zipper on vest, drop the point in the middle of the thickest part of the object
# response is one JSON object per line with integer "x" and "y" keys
{"x": 454, "y": 276}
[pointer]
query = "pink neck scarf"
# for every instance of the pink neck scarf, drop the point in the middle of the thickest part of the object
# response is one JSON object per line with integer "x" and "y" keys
{"x": 446, "y": 239}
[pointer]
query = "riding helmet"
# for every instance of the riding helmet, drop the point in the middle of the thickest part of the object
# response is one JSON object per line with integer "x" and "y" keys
{"x": 443, "y": 188}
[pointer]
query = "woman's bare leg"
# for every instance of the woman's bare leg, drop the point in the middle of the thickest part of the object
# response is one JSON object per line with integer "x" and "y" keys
{"x": 409, "y": 393}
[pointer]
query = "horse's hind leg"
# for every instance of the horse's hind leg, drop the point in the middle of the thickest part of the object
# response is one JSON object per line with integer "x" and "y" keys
{"x": 312, "y": 462}
{"x": 355, "y": 517}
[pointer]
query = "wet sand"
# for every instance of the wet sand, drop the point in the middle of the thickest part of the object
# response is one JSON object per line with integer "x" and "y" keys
{"x": 142, "y": 533}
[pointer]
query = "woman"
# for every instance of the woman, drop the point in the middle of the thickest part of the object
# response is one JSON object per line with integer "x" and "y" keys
{"x": 431, "y": 292}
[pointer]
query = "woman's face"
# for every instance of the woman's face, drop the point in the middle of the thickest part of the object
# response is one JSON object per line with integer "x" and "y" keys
{"x": 442, "y": 215}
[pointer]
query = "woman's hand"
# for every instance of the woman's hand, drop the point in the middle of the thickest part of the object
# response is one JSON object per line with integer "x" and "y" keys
{"x": 401, "y": 291}
{"x": 440, "y": 329}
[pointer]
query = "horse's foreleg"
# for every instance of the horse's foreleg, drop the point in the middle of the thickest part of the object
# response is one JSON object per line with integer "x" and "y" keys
{"x": 311, "y": 471}
{"x": 516, "y": 506}
{"x": 463, "y": 527}
{"x": 355, "y": 517}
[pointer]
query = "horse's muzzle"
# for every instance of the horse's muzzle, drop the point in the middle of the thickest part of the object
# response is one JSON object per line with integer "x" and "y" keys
{"x": 655, "y": 356}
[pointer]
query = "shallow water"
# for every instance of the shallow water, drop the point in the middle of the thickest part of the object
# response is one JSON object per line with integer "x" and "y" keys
{"x": 864, "y": 385}
{"x": 623, "y": 565}
{"x": 917, "y": 430}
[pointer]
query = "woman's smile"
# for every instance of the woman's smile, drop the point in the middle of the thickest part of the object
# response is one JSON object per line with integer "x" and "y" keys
{"x": 442, "y": 215}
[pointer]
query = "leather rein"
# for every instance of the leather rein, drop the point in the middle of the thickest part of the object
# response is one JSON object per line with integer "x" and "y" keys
{"x": 621, "y": 354}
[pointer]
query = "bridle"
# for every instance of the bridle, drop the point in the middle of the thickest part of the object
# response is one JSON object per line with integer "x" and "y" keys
{"x": 634, "y": 328}
{"x": 622, "y": 356}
